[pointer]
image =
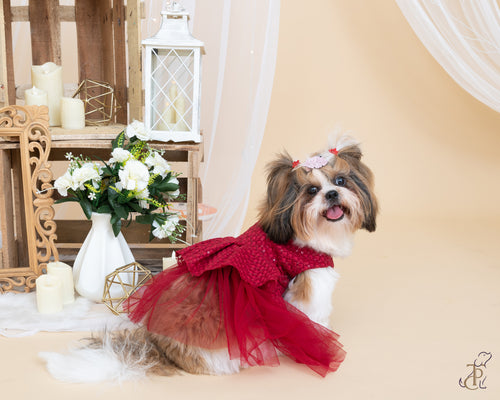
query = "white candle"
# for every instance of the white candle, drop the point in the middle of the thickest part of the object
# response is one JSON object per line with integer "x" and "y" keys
{"x": 49, "y": 294}
{"x": 180, "y": 107}
{"x": 48, "y": 77}
{"x": 72, "y": 113}
{"x": 167, "y": 118}
{"x": 172, "y": 92}
{"x": 169, "y": 261}
{"x": 35, "y": 97}
{"x": 65, "y": 273}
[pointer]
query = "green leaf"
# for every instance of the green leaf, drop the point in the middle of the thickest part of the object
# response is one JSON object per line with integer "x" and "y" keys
{"x": 104, "y": 209}
{"x": 117, "y": 226}
{"x": 145, "y": 219}
{"x": 119, "y": 140}
{"x": 112, "y": 193}
{"x": 114, "y": 218}
{"x": 86, "y": 207}
{"x": 136, "y": 207}
{"x": 121, "y": 211}
{"x": 167, "y": 187}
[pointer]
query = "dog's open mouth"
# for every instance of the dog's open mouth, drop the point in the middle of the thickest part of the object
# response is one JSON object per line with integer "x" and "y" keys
{"x": 335, "y": 213}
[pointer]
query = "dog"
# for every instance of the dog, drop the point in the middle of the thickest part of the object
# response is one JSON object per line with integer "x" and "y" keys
{"x": 232, "y": 303}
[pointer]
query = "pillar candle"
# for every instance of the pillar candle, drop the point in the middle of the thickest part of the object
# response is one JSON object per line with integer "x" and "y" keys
{"x": 180, "y": 107}
{"x": 167, "y": 118}
{"x": 65, "y": 273}
{"x": 49, "y": 294}
{"x": 169, "y": 261}
{"x": 172, "y": 92}
{"x": 72, "y": 113}
{"x": 48, "y": 77}
{"x": 35, "y": 97}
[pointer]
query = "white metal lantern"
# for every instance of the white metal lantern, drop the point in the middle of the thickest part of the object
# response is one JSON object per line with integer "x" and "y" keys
{"x": 173, "y": 79}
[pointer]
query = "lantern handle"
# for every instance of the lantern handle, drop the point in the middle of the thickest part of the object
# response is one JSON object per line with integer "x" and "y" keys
{"x": 173, "y": 6}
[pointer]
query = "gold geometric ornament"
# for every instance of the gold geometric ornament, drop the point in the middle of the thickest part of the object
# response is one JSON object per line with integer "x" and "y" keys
{"x": 130, "y": 277}
{"x": 99, "y": 101}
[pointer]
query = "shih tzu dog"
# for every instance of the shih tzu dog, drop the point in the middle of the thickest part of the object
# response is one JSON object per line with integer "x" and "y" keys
{"x": 231, "y": 303}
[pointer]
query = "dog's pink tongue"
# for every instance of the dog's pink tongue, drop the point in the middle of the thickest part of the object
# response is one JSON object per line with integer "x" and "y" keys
{"x": 334, "y": 213}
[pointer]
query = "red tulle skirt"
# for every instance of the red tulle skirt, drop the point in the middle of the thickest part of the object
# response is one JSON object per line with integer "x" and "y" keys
{"x": 219, "y": 310}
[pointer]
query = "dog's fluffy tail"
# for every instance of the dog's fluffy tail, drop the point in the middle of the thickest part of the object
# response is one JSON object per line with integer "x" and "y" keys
{"x": 111, "y": 356}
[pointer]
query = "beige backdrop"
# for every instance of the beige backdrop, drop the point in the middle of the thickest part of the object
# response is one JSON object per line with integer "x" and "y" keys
{"x": 433, "y": 147}
{"x": 419, "y": 298}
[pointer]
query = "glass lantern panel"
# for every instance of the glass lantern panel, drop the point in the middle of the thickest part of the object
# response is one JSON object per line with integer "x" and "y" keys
{"x": 172, "y": 89}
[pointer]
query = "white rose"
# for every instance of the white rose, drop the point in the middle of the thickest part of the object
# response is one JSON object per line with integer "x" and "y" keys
{"x": 87, "y": 172}
{"x": 174, "y": 194}
{"x": 158, "y": 163}
{"x": 63, "y": 183}
{"x": 120, "y": 155}
{"x": 134, "y": 176}
{"x": 137, "y": 128}
{"x": 166, "y": 229}
{"x": 142, "y": 196}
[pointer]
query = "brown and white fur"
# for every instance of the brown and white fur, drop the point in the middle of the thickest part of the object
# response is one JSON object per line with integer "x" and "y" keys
{"x": 317, "y": 207}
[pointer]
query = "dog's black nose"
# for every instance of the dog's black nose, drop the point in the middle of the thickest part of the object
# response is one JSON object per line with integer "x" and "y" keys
{"x": 332, "y": 195}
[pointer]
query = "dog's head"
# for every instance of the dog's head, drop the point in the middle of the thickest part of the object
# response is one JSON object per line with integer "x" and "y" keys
{"x": 320, "y": 202}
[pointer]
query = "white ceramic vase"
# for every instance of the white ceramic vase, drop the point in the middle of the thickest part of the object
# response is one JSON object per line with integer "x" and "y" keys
{"x": 101, "y": 253}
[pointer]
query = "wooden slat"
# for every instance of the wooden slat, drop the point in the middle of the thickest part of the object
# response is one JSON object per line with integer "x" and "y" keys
{"x": 105, "y": 15}
{"x": 9, "y": 55}
{"x": 120, "y": 60}
{"x": 45, "y": 30}
{"x": 9, "y": 250}
{"x": 134, "y": 60}
{"x": 21, "y": 13}
{"x": 91, "y": 28}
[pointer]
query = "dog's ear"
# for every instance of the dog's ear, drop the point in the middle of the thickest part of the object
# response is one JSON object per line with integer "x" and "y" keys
{"x": 363, "y": 180}
{"x": 276, "y": 210}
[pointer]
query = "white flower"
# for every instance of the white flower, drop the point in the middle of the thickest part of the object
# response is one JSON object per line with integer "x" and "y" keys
{"x": 87, "y": 172}
{"x": 63, "y": 183}
{"x": 137, "y": 128}
{"x": 68, "y": 155}
{"x": 174, "y": 194}
{"x": 120, "y": 155}
{"x": 134, "y": 176}
{"x": 159, "y": 164}
{"x": 91, "y": 196}
{"x": 166, "y": 229}
{"x": 142, "y": 196}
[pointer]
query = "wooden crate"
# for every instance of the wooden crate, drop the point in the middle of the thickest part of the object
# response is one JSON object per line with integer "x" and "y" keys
{"x": 106, "y": 31}
{"x": 183, "y": 158}
{"x": 108, "y": 48}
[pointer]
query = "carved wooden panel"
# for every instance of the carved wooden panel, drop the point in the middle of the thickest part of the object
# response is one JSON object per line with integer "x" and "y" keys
{"x": 25, "y": 137}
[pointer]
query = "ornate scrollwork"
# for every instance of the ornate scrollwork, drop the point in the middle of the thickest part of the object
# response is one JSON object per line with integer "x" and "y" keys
{"x": 29, "y": 125}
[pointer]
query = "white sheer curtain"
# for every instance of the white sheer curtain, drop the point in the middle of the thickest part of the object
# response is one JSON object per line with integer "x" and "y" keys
{"x": 241, "y": 39}
{"x": 464, "y": 37}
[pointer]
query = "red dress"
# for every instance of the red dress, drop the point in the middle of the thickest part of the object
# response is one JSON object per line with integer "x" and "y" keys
{"x": 227, "y": 293}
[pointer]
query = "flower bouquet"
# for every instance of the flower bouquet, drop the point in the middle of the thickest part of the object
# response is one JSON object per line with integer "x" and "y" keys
{"x": 136, "y": 179}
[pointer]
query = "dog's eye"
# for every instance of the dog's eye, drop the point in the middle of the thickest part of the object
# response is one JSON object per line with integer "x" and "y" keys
{"x": 312, "y": 190}
{"x": 340, "y": 181}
